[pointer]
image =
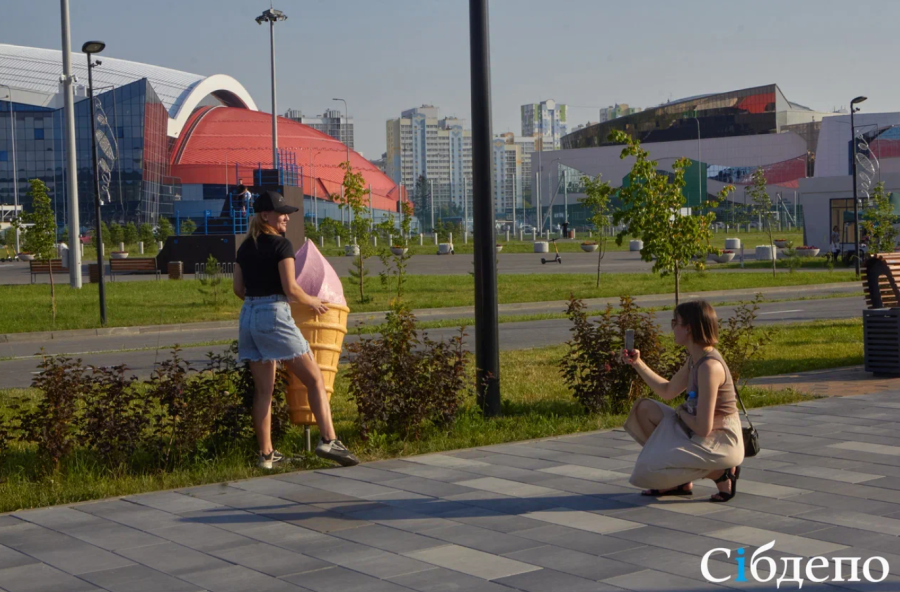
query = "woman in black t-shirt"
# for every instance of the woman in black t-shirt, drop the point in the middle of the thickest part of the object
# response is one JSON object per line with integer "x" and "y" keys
{"x": 264, "y": 278}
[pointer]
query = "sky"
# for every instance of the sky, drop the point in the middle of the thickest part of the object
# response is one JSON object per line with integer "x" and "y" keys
{"x": 384, "y": 56}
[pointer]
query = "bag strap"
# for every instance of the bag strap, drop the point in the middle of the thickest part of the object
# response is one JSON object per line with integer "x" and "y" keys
{"x": 744, "y": 409}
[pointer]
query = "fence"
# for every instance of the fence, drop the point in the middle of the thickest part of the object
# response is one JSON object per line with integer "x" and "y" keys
{"x": 237, "y": 222}
{"x": 226, "y": 270}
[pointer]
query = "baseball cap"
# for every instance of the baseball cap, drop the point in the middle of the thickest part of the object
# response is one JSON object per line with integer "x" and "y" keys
{"x": 272, "y": 201}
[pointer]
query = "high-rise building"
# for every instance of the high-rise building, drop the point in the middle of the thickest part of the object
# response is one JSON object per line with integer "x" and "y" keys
{"x": 420, "y": 144}
{"x": 512, "y": 171}
{"x": 332, "y": 122}
{"x": 617, "y": 110}
{"x": 546, "y": 121}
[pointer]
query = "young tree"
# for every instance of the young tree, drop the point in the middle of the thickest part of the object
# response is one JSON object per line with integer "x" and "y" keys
{"x": 39, "y": 237}
{"x": 188, "y": 227}
{"x": 422, "y": 202}
{"x": 130, "y": 234}
{"x": 762, "y": 207}
{"x": 145, "y": 233}
{"x": 163, "y": 230}
{"x": 356, "y": 199}
{"x": 878, "y": 222}
{"x": 116, "y": 234}
{"x": 395, "y": 265}
{"x": 330, "y": 229}
{"x": 597, "y": 202}
{"x": 651, "y": 209}
{"x": 107, "y": 240}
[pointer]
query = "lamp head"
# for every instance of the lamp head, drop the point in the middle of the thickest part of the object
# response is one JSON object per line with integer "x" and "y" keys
{"x": 93, "y": 47}
{"x": 858, "y": 100}
{"x": 271, "y": 16}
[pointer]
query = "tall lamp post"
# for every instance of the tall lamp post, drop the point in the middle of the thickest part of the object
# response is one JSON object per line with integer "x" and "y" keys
{"x": 15, "y": 176}
{"x": 855, "y": 197}
{"x": 347, "y": 144}
{"x": 699, "y": 166}
{"x": 272, "y": 16}
{"x": 89, "y": 49}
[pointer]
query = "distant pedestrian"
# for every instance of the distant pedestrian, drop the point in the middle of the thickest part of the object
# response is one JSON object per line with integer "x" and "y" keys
{"x": 702, "y": 438}
{"x": 265, "y": 279}
{"x": 243, "y": 199}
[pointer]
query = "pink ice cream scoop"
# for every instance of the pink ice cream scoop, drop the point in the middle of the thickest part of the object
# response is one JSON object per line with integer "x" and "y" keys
{"x": 316, "y": 276}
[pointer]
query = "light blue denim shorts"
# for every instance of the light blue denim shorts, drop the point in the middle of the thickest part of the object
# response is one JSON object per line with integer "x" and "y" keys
{"x": 267, "y": 331}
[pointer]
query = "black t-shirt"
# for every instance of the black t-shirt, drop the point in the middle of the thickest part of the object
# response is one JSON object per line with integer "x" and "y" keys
{"x": 259, "y": 263}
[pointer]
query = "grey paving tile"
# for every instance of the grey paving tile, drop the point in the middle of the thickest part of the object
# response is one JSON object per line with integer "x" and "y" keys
{"x": 803, "y": 546}
{"x": 653, "y": 581}
{"x": 236, "y": 578}
{"x": 481, "y": 539}
{"x": 859, "y": 520}
{"x": 112, "y": 536}
{"x": 583, "y": 520}
{"x": 507, "y": 487}
{"x": 767, "y": 521}
{"x": 578, "y": 540}
{"x": 519, "y": 462}
{"x": 492, "y": 520}
{"x": 589, "y": 473}
{"x": 346, "y": 553}
{"x": 138, "y": 578}
{"x": 388, "y": 565}
{"x": 472, "y": 562}
{"x": 426, "y": 486}
{"x": 675, "y": 561}
{"x": 315, "y": 518}
{"x": 445, "y": 461}
{"x": 505, "y": 504}
{"x": 388, "y": 539}
{"x": 339, "y": 579}
{"x": 782, "y": 507}
{"x": 173, "y": 559}
{"x": 439, "y": 579}
{"x": 37, "y": 577}
{"x": 572, "y": 562}
{"x": 130, "y": 514}
{"x": 270, "y": 560}
{"x": 858, "y": 539}
{"x": 9, "y": 520}
{"x": 435, "y": 473}
{"x": 58, "y": 550}
{"x": 552, "y": 581}
{"x": 402, "y": 519}
{"x": 365, "y": 473}
{"x": 169, "y": 501}
{"x": 12, "y": 558}
{"x": 202, "y": 537}
{"x": 822, "y": 499}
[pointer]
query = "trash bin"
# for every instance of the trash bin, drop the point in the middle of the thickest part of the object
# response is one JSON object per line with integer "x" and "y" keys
{"x": 94, "y": 273}
{"x": 570, "y": 234}
{"x": 176, "y": 270}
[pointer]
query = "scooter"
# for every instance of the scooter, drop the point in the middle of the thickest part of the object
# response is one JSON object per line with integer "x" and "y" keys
{"x": 556, "y": 259}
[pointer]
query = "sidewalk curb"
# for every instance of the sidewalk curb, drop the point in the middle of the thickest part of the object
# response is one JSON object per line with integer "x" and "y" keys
{"x": 422, "y": 314}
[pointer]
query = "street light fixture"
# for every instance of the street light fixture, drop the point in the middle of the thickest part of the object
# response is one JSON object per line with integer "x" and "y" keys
{"x": 855, "y": 197}
{"x": 272, "y": 16}
{"x": 90, "y": 48}
{"x": 15, "y": 176}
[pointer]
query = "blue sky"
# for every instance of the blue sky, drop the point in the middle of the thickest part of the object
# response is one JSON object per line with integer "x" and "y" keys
{"x": 384, "y": 56}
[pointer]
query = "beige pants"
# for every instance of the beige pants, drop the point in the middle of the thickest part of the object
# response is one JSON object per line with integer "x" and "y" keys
{"x": 671, "y": 458}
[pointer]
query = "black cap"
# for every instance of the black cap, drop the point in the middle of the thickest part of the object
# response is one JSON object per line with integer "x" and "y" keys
{"x": 272, "y": 201}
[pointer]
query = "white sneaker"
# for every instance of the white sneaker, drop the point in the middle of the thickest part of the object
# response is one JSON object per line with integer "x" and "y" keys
{"x": 336, "y": 451}
{"x": 268, "y": 461}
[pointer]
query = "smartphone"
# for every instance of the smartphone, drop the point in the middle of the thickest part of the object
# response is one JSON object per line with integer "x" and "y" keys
{"x": 629, "y": 340}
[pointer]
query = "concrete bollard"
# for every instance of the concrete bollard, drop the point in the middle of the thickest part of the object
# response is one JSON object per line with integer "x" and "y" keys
{"x": 465, "y": 237}
{"x": 590, "y": 234}
{"x": 421, "y": 239}
{"x": 374, "y": 240}
{"x": 534, "y": 234}
{"x": 338, "y": 239}
{"x": 121, "y": 247}
{"x": 390, "y": 240}
{"x": 322, "y": 241}
{"x": 159, "y": 245}
{"x": 450, "y": 237}
{"x": 141, "y": 247}
{"x": 81, "y": 246}
{"x": 507, "y": 235}
{"x": 435, "y": 236}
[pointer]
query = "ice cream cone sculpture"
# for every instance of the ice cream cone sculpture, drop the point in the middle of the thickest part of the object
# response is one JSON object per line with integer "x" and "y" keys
{"x": 325, "y": 333}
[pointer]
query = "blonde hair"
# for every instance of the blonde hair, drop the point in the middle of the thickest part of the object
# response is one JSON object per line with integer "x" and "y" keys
{"x": 259, "y": 226}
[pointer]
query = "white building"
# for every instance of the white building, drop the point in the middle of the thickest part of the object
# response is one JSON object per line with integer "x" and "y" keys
{"x": 512, "y": 172}
{"x": 420, "y": 144}
{"x": 546, "y": 121}
{"x": 332, "y": 122}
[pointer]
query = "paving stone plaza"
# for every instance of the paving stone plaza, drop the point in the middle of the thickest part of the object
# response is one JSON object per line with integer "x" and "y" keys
{"x": 541, "y": 516}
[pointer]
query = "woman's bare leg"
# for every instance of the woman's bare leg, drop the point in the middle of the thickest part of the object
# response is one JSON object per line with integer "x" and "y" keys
{"x": 264, "y": 383}
{"x": 307, "y": 370}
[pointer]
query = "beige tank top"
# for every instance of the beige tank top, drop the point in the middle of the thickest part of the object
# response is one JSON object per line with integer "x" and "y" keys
{"x": 726, "y": 399}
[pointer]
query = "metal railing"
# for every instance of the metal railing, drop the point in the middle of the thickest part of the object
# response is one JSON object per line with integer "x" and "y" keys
{"x": 236, "y": 222}
{"x": 226, "y": 270}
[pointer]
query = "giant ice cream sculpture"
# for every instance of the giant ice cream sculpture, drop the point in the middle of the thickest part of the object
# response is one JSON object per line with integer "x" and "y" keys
{"x": 325, "y": 333}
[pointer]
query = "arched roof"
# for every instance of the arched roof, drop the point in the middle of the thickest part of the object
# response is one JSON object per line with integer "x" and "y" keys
{"x": 214, "y": 137}
{"x": 38, "y": 70}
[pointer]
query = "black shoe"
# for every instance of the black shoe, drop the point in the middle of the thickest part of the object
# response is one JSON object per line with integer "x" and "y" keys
{"x": 680, "y": 490}
{"x": 336, "y": 451}
{"x": 722, "y": 496}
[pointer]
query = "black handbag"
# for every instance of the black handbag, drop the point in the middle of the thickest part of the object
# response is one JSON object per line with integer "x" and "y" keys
{"x": 751, "y": 437}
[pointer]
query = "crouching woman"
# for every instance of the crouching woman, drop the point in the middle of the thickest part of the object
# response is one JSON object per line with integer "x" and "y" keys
{"x": 701, "y": 439}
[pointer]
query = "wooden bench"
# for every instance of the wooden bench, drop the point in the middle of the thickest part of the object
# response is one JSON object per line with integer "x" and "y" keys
{"x": 129, "y": 266}
{"x": 42, "y": 267}
{"x": 881, "y": 280}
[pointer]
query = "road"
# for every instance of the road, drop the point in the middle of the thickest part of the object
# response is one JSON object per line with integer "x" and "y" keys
{"x": 17, "y": 372}
{"x": 508, "y": 263}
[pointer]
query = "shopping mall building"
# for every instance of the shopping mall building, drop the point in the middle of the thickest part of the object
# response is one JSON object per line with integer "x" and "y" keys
{"x": 172, "y": 144}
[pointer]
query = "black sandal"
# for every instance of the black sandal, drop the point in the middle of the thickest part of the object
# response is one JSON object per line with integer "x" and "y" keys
{"x": 726, "y": 496}
{"x": 680, "y": 490}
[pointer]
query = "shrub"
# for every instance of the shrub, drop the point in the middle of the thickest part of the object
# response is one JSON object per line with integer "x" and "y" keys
{"x": 188, "y": 227}
{"x": 130, "y": 234}
{"x": 116, "y": 235}
{"x": 114, "y": 415}
{"x": 739, "y": 340}
{"x": 402, "y": 384}
{"x": 163, "y": 230}
{"x": 145, "y": 234}
{"x": 593, "y": 369}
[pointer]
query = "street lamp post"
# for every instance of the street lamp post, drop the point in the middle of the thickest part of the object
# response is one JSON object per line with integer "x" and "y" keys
{"x": 347, "y": 144}
{"x": 855, "y": 198}
{"x": 272, "y": 16}
{"x": 15, "y": 176}
{"x": 699, "y": 165}
{"x": 90, "y": 48}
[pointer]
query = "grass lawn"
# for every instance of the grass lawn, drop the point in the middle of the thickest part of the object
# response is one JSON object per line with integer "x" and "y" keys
{"x": 749, "y": 239}
{"x": 165, "y": 302}
{"x": 536, "y": 404}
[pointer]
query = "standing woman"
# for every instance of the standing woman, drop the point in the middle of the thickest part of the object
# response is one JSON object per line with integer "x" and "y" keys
{"x": 702, "y": 438}
{"x": 264, "y": 279}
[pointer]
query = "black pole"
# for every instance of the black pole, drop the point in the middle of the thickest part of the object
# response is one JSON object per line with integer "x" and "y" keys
{"x": 96, "y": 196}
{"x": 487, "y": 332}
{"x": 855, "y": 198}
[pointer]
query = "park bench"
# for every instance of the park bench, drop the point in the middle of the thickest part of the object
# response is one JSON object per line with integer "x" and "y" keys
{"x": 129, "y": 266}
{"x": 43, "y": 267}
{"x": 881, "y": 281}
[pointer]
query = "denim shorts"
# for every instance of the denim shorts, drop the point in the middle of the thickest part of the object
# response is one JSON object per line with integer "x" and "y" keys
{"x": 267, "y": 331}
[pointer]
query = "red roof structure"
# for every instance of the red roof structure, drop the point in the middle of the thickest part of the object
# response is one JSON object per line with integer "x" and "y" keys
{"x": 216, "y": 139}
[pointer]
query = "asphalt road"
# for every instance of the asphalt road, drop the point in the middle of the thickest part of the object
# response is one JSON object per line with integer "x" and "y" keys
{"x": 18, "y": 372}
{"x": 508, "y": 263}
